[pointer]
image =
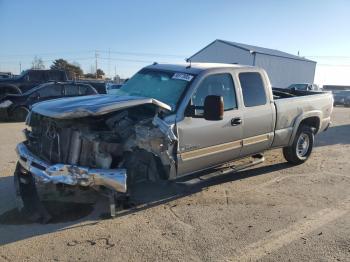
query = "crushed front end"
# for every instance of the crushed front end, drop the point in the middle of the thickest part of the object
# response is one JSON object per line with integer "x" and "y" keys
{"x": 109, "y": 152}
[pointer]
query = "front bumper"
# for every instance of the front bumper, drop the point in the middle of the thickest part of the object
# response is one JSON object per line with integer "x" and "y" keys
{"x": 115, "y": 179}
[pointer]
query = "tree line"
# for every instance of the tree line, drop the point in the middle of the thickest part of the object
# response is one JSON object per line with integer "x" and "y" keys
{"x": 73, "y": 70}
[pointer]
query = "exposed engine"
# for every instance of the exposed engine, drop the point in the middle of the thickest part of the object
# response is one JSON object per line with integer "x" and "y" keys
{"x": 99, "y": 142}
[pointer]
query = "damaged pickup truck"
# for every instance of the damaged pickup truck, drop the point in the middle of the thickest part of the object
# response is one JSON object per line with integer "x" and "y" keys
{"x": 166, "y": 122}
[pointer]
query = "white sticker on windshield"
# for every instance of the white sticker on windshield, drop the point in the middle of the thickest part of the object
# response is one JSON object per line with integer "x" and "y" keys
{"x": 182, "y": 76}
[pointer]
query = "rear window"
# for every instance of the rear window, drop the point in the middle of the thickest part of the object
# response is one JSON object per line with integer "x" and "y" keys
{"x": 253, "y": 89}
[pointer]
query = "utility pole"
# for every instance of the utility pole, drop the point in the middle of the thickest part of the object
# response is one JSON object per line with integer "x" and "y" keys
{"x": 96, "y": 55}
{"x": 20, "y": 67}
{"x": 109, "y": 62}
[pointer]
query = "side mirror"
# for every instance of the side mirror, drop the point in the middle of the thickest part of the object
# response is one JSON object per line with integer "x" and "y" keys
{"x": 214, "y": 108}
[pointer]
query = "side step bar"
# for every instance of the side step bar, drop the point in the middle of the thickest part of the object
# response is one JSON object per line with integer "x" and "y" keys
{"x": 230, "y": 167}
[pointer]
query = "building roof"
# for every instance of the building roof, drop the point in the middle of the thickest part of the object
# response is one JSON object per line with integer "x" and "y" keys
{"x": 259, "y": 50}
{"x": 194, "y": 68}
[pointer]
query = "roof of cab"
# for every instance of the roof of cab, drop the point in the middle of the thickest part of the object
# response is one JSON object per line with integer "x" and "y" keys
{"x": 193, "y": 68}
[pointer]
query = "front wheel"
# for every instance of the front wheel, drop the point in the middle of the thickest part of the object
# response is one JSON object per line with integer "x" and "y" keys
{"x": 302, "y": 146}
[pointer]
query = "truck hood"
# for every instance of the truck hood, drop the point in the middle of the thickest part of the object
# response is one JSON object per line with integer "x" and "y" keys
{"x": 93, "y": 105}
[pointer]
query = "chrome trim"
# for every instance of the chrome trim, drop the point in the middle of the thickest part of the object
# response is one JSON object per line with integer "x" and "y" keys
{"x": 189, "y": 155}
{"x": 115, "y": 179}
{"x": 255, "y": 139}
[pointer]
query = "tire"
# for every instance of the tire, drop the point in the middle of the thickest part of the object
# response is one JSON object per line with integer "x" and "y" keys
{"x": 20, "y": 114}
{"x": 301, "y": 148}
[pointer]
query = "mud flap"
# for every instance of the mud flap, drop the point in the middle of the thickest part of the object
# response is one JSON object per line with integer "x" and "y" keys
{"x": 27, "y": 198}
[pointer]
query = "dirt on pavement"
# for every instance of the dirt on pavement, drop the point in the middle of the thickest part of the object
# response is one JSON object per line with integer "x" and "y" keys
{"x": 272, "y": 212}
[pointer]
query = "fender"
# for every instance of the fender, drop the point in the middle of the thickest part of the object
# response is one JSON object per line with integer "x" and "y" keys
{"x": 11, "y": 87}
{"x": 300, "y": 118}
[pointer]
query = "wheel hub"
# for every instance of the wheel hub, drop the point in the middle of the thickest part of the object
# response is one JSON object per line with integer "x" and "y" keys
{"x": 303, "y": 145}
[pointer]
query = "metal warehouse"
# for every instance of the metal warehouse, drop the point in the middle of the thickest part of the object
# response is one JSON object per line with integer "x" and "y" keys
{"x": 283, "y": 69}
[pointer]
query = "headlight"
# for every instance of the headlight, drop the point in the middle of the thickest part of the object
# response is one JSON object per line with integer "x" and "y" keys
{"x": 5, "y": 104}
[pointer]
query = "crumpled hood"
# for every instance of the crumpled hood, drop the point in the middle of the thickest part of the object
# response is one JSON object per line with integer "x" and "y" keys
{"x": 93, "y": 105}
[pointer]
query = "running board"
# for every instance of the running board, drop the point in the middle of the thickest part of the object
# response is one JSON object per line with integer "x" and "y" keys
{"x": 230, "y": 167}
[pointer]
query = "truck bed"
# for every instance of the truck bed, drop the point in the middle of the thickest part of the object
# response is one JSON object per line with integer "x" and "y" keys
{"x": 294, "y": 106}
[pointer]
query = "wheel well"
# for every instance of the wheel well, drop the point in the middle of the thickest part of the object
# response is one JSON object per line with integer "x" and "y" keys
{"x": 15, "y": 89}
{"x": 312, "y": 122}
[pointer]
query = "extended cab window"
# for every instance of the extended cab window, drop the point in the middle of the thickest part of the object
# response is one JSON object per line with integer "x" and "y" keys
{"x": 253, "y": 89}
{"x": 220, "y": 85}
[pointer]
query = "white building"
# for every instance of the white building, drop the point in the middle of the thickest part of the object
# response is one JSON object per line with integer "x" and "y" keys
{"x": 283, "y": 69}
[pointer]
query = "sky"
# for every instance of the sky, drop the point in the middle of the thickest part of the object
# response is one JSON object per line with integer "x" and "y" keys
{"x": 127, "y": 35}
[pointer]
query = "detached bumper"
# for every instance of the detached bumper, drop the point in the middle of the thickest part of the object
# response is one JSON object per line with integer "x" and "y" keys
{"x": 115, "y": 179}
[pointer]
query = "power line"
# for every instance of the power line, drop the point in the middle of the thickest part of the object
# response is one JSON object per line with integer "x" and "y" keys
{"x": 48, "y": 53}
{"x": 328, "y": 56}
{"x": 346, "y": 65}
{"x": 141, "y": 54}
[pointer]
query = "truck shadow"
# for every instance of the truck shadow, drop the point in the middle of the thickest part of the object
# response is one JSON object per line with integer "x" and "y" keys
{"x": 14, "y": 227}
{"x": 334, "y": 135}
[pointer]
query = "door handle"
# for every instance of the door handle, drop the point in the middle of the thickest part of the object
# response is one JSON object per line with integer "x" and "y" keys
{"x": 236, "y": 121}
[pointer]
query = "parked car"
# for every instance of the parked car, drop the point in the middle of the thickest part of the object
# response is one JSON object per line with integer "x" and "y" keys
{"x": 166, "y": 123}
{"x": 17, "y": 106}
{"x": 99, "y": 85}
{"x": 29, "y": 79}
{"x": 340, "y": 96}
{"x": 5, "y": 75}
{"x": 347, "y": 101}
{"x": 112, "y": 88}
{"x": 305, "y": 87}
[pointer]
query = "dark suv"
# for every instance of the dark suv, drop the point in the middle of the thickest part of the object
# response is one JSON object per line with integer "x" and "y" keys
{"x": 16, "y": 106}
{"x": 29, "y": 79}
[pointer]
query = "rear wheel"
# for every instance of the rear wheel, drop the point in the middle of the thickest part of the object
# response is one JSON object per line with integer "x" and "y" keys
{"x": 302, "y": 146}
{"x": 20, "y": 114}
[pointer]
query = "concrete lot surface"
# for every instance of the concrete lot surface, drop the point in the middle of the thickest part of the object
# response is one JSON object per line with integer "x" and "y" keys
{"x": 273, "y": 212}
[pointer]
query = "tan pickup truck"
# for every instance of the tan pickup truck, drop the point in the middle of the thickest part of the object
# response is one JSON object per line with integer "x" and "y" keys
{"x": 166, "y": 122}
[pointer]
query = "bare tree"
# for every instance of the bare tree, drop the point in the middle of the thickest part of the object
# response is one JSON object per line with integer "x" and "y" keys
{"x": 38, "y": 63}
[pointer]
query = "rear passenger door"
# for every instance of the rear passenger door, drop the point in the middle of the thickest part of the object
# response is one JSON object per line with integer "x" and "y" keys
{"x": 258, "y": 113}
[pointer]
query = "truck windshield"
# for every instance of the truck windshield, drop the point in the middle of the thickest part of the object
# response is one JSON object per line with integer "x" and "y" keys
{"x": 164, "y": 86}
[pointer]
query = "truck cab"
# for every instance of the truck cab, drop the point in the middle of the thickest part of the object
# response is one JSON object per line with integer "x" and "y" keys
{"x": 246, "y": 126}
{"x": 29, "y": 79}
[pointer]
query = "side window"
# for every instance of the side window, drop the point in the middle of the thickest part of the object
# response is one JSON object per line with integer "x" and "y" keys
{"x": 253, "y": 89}
{"x": 50, "y": 91}
{"x": 86, "y": 90}
{"x": 220, "y": 85}
{"x": 72, "y": 90}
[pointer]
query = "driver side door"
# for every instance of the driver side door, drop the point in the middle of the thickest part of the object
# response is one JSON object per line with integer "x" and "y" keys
{"x": 204, "y": 143}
